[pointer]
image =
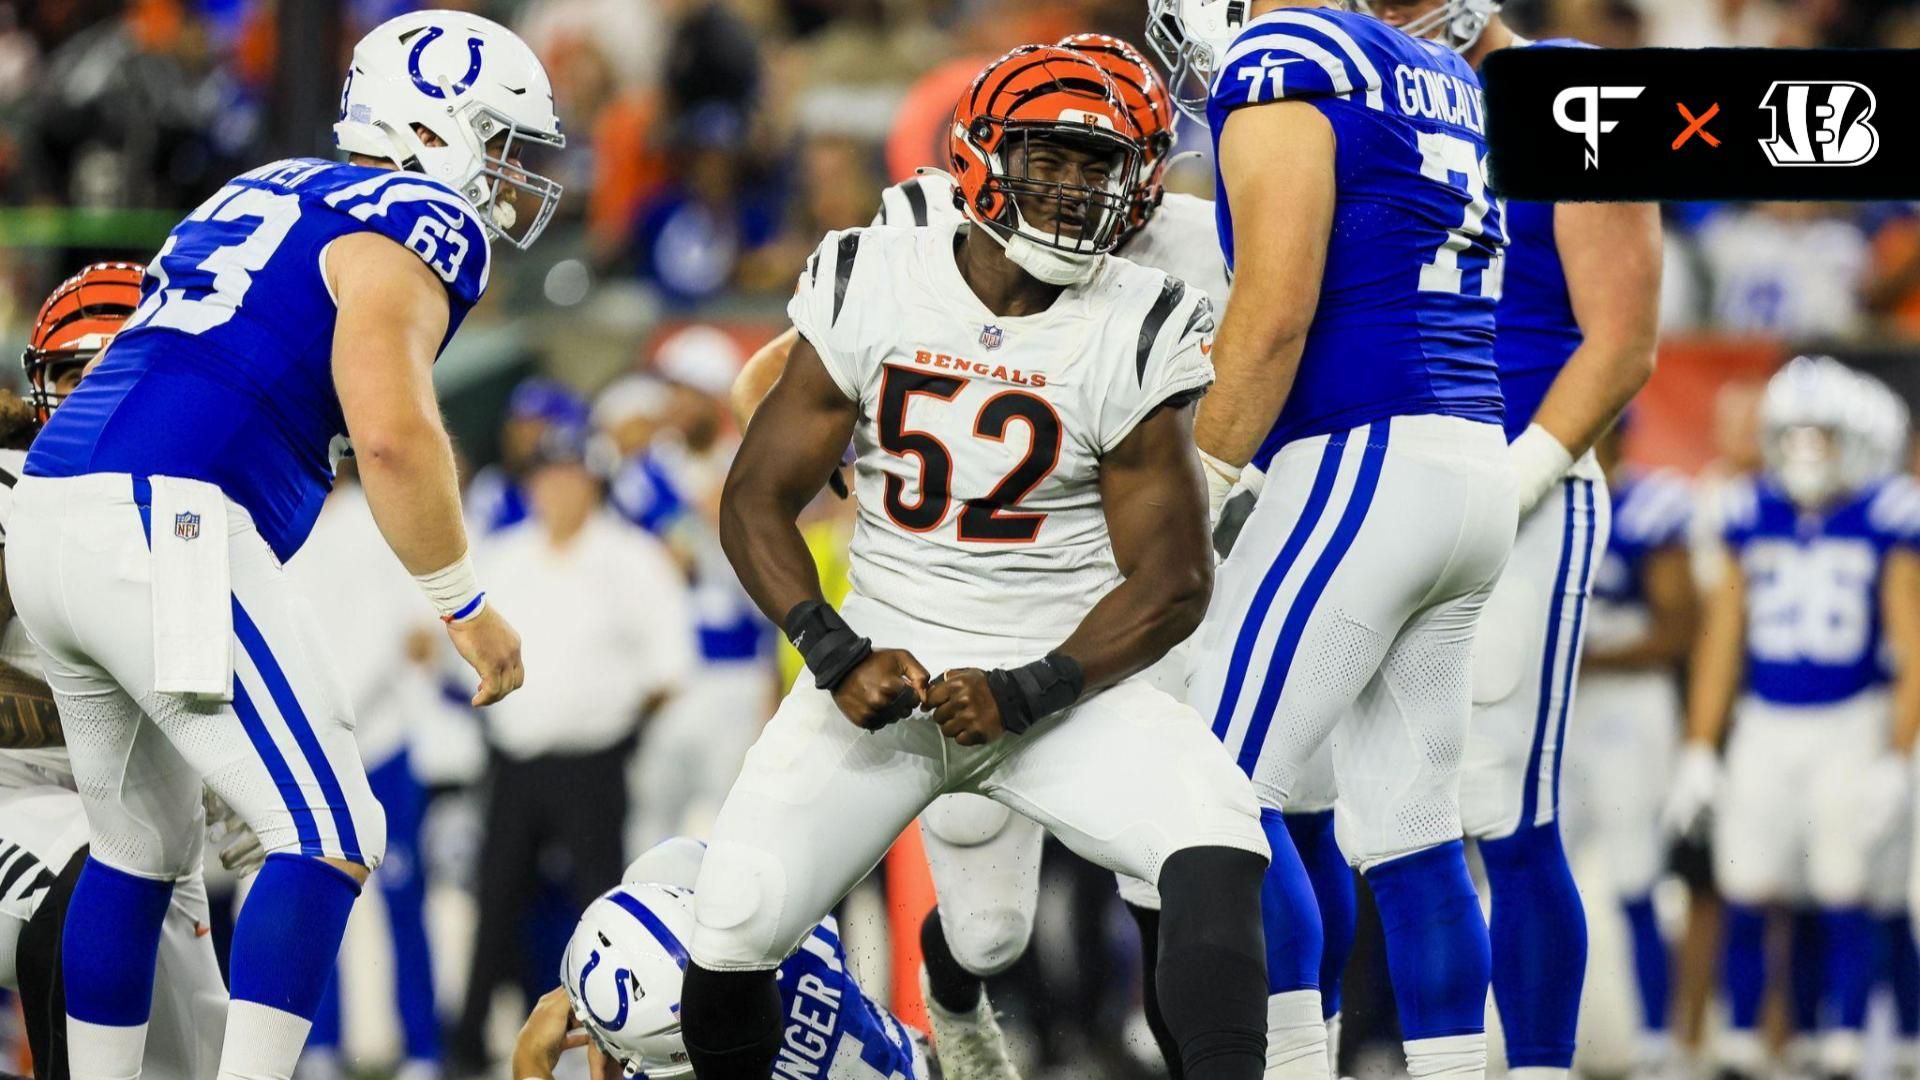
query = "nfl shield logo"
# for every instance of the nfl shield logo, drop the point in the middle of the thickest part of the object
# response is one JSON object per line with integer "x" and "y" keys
{"x": 186, "y": 525}
{"x": 991, "y": 336}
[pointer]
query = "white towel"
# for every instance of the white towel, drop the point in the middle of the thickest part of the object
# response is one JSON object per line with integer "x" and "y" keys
{"x": 192, "y": 590}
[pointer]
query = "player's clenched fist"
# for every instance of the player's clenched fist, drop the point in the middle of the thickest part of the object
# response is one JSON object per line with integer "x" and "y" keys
{"x": 882, "y": 689}
{"x": 964, "y": 707}
{"x": 492, "y": 649}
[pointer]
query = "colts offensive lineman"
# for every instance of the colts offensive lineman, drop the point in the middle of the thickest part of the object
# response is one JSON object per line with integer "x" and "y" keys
{"x": 304, "y": 301}
{"x": 43, "y": 827}
{"x": 1018, "y": 403}
{"x": 1357, "y": 371}
{"x": 624, "y": 966}
{"x": 1579, "y": 311}
{"x": 1820, "y": 578}
{"x": 1626, "y": 726}
{"x": 985, "y": 859}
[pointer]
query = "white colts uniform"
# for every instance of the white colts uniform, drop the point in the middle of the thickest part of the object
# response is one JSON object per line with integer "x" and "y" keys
{"x": 1627, "y": 724}
{"x": 985, "y": 858}
{"x": 43, "y": 827}
{"x": 981, "y": 542}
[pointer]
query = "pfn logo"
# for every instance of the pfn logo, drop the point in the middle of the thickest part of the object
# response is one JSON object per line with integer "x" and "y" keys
{"x": 1588, "y": 124}
{"x": 1820, "y": 124}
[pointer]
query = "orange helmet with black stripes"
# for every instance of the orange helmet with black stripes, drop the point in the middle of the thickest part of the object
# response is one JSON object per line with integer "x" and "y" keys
{"x": 75, "y": 323}
{"x": 1145, "y": 94}
{"x": 1046, "y": 154}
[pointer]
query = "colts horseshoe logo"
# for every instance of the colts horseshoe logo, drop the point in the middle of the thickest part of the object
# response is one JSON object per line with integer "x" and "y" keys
{"x": 620, "y": 977}
{"x": 466, "y": 81}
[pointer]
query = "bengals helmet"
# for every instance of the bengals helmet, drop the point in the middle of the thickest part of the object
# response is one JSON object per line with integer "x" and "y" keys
{"x": 1146, "y": 97}
{"x": 1036, "y": 98}
{"x": 74, "y": 324}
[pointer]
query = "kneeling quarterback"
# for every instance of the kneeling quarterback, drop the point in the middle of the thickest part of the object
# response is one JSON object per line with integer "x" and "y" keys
{"x": 1032, "y": 523}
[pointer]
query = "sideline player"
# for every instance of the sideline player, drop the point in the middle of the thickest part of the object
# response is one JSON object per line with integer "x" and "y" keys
{"x": 1357, "y": 370}
{"x": 985, "y": 859}
{"x": 303, "y": 302}
{"x": 625, "y": 964}
{"x": 43, "y": 826}
{"x": 1578, "y": 319}
{"x": 1626, "y": 726}
{"x": 1820, "y": 575}
{"x": 1022, "y": 433}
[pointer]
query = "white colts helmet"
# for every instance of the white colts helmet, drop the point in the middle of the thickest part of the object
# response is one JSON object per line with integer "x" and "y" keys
{"x": 1816, "y": 437}
{"x": 1191, "y": 37}
{"x": 483, "y": 96}
{"x": 623, "y": 970}
{"x": 1457, "y": 24}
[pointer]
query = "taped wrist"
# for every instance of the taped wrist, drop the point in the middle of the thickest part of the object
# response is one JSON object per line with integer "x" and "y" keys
{"x": 1031, "y": 693}
{"x": 825, "y": 641}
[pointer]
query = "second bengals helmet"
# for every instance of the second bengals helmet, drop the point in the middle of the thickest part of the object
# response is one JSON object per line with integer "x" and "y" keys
{"x": 1145, "y": 95}
{"x": 75, "y": 323}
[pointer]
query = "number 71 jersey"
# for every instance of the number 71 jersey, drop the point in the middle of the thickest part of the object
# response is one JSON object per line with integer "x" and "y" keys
{"x": 1405, "y": 321}
{"x": 225, "y": 371}
{"x": 980, "y": 436}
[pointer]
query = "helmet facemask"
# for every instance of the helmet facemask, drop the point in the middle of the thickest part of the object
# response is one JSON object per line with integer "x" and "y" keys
{"x": 48, "y": 368}
{"x": 1058, "y": 194}
{"x": 493, "y": 162}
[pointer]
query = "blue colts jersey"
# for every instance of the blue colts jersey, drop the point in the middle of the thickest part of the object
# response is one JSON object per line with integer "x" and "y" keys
{"x": 1813, "y": 588}
{"x": 830, "y": 1031}
{"x": 1537, "y": 329}
{"x": 1405, "y": 322}
{"x": 225, "y": 372}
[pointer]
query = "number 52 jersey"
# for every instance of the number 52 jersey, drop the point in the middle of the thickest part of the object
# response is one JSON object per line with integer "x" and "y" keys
{"x": 225, "y": 371}
{"x": 980, "y": 436}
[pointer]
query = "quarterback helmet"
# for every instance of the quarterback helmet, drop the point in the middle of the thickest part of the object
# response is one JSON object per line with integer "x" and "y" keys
{"x": 1817, "y": 438}
{"x": 74, "y": 324}
{"x": 463, "y": 100}
{"x": 1146, "y": 97}
{"x": 622, "y": 972}
{"x": 1457, "y": 24}
{"x": 1045, "y": 127}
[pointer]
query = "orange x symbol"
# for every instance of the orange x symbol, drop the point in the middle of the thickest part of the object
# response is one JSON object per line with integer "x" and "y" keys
{"x": 1697, "y": 125}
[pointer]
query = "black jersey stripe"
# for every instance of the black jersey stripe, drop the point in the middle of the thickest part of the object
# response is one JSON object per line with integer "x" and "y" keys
{"x": 1170, "y": 294}
{"x": 843, "y": 269}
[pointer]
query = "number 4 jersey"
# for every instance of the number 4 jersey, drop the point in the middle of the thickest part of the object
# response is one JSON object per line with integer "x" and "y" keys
{"x": 1405, "y": 320}
{"x": 1813, "y": 587}
{"x": 225, "y": 372}
{"x": 980, "y": 435}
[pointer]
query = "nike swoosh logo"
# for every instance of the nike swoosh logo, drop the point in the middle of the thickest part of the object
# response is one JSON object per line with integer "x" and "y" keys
{"x": 1278, "y": 61}
{"x": 452, "y": 219}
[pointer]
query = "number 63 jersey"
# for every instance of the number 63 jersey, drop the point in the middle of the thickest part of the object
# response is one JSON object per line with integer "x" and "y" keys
{"x": 980, "y": 436}
{"x": 225, "y": 371}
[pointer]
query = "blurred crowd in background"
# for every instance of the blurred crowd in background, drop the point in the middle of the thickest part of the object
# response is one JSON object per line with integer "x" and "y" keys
{"x": 710, "y": 144}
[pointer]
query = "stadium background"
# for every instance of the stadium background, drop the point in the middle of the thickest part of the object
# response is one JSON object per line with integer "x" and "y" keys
{"x": 711, "y": 143}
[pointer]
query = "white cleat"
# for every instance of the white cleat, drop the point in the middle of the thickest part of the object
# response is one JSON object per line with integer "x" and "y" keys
{"x": 969, "y": 1046}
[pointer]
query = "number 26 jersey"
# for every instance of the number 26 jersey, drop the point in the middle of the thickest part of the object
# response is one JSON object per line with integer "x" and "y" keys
{"x": 225, "y": 371}
{"x": 980, "y": 436}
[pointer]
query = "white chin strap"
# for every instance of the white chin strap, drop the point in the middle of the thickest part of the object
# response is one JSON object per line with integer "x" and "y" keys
{"x": 503, "y": 214}
{"x": 1051, "y": 265}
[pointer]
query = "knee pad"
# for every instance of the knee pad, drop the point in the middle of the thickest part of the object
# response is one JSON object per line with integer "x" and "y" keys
{"x": 740, "y": 911}
{"x": 986, "y": 941}
{"x": 965, "y": 820}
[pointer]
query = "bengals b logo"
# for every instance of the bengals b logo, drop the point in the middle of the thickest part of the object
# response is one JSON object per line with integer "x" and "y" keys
{"x": 1820, "y": 124}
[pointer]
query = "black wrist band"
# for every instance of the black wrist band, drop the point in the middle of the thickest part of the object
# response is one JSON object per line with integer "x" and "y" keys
{"x": 825, "y": 641}
{"x": 1031, "y": 693}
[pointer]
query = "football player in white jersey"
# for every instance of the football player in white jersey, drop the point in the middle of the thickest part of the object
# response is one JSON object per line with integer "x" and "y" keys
{"x": 1626, "y": 724}
{"x": 1032, "y": 526}
{"x": 43, "y": 826}
{"x": 1811, "y": 646}
{"x": 984, "y": 857}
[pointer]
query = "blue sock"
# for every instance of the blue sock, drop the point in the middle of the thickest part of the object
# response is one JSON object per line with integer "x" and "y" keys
{"x": 112, "y": 945}
{"x": 289, "y": 931}
{"x": 1744, "y": 964}
{"x": 1332, "y": 882}
{"x": 1437, "y": 950}
{"x": 1903, "y": 972}
{"x": 1652, "y": 968}
{"x": 1539, "y": 935}
{"x": 403, "y": 885}
{"x": 1289, "y": 912}
{"x": 1806, "y": 980}
{"x": 1847, "y": 940}
{"x": 325, "y": 1033}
